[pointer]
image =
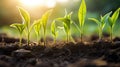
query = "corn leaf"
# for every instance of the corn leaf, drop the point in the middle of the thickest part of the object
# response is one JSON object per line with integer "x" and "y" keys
{"x": 104, "y": 19}
{"x": 82, "y": 13}
{"x": 95, "y": 20}
{"x": 115, "y": 15}
{"x": 37, "y": 26}
{"x": 66, "y": 21}
{"x": 45, "y": 18}
{"x": 53, "y": 28}
{"x": 19, "y": 27}
{"x": 25, "y": 16}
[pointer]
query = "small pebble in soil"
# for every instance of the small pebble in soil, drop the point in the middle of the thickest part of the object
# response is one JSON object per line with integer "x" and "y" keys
{"x": 22, "y": 54}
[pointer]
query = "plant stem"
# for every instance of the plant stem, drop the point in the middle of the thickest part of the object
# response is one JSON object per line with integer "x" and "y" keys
{"x": 68, "y": 37}
{"x": 44, "y": 37}
{"x": 20, "y": 41}
{"x": 38, "y": 38}
{"x": 111, "y": 34}
{"x": 81, "y": 38}
{"x": 100, "y": 34}
{"x": 28, "y": 37}
{"x": 55, "y": 39}
{"x": 81, "y": 34}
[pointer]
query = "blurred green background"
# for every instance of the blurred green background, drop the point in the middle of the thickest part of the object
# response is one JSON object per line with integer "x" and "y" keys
{"x": 9, "y": 14}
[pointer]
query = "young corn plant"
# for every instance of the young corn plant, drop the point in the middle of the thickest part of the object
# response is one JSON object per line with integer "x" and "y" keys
{"x": 44, "y": 21}
{"x": 112, "y": 20}
{"x": 54, "y": 31}
{"x": 81, "y": 16}
{"x": 101, "y": 23}
{"x": 66, "y": 24}
{"x": 37, "y": 27}
{"x": 20, "y": 28}
{"x": 26, "y": 21}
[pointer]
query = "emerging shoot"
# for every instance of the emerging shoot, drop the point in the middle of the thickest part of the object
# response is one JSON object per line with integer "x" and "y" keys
{"x": 67, "y": 24}
{"x": 54, "y": 32}
{"x": 20, "y": 28}
{"x": 81, "y": 16}
{"x": 112, "y": 20}
{"x": 101, "y": 23}
{"x": 44, "y": 21}
{"x": 37, "y": 28}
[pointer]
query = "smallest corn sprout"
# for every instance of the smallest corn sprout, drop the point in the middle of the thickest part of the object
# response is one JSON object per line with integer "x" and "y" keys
{"x": 66, "y": 24}
{"x": 112, "y": 20}
{"x": 101, "y": 23}
{"x": 37, "y": 27}
{"x": 20, "y": 28}
{"x": 54, "y": 31}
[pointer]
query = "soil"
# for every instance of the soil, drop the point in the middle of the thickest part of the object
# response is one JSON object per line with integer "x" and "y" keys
{"x": 87, "y": 54}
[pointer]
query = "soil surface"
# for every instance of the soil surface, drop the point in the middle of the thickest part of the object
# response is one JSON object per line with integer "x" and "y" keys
{"x": 87, "y": 54}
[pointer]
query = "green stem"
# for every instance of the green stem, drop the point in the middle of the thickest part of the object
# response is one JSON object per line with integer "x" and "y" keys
{"x": 68, "y": 37}
{"x": 100, "y": 34}
{"x": 20, "y": 41}
{"x": 44, "y": 38}
{"x": 111, "y": 34}
{"x": 28, "y": 37}
{"x": 38, "y": 39}
{"x": 55, "y": 39}
{"x": 81, "y": 34}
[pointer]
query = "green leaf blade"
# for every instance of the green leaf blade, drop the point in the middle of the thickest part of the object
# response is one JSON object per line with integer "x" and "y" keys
{"x": 82, "y": 13}
{"x": 19, "y": 27}
{"x": 105, "y": 17}
{"x": 45, "y": 18}
{"x": 115, "y": 15}
{"x": 53, "y": 26}
{"x": 25, "y": 16}
{"x": 95, "y": 20}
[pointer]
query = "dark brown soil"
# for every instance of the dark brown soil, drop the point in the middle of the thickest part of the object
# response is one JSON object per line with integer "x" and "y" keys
{"x": 91, "y": 54}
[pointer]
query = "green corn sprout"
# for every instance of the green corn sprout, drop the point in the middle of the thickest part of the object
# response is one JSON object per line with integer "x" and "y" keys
{"x": 20, "y": 28}
{"x": 112, "y": 20}
{"x": 37, "y": 26}
{"x": 101, "y": 23}
{"x": 26, "y": 21}
{"x": 67, "y": 24}
{"x": 44, "y": 21}
{"x": 54, "y": 32}
{"x": 81, "y": 16}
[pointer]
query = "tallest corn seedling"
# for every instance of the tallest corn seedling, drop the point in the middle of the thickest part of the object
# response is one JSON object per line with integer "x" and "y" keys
{"x": 81, "y": 16}
{"x": 26, "y": 21}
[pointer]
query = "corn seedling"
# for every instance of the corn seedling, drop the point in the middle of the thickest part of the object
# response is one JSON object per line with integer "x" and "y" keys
{"x": 112, "y": 20}
{"x": 67, "y": 24}
{"x": 53, "y": 30}
{"x": 26, "y": 21}
{"x": 44, "y": 21}
{"x": 81, "y": 16}
{"x": 37, "y": 27}
{"x": 101, "y": 23}
{"x": 20, "y": 28}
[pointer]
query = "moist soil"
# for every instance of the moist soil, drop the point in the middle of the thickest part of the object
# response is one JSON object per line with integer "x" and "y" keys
{"x": 61, "y": 54}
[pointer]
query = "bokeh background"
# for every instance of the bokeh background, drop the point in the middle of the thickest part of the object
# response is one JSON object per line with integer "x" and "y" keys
{"x": 9, "y": 14}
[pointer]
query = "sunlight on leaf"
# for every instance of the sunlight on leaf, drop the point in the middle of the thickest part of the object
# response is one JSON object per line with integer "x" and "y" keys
{"x": 25, "y": 16}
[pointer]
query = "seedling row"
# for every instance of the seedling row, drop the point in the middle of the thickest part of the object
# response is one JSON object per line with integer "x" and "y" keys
{"x": 67, "y": 21}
